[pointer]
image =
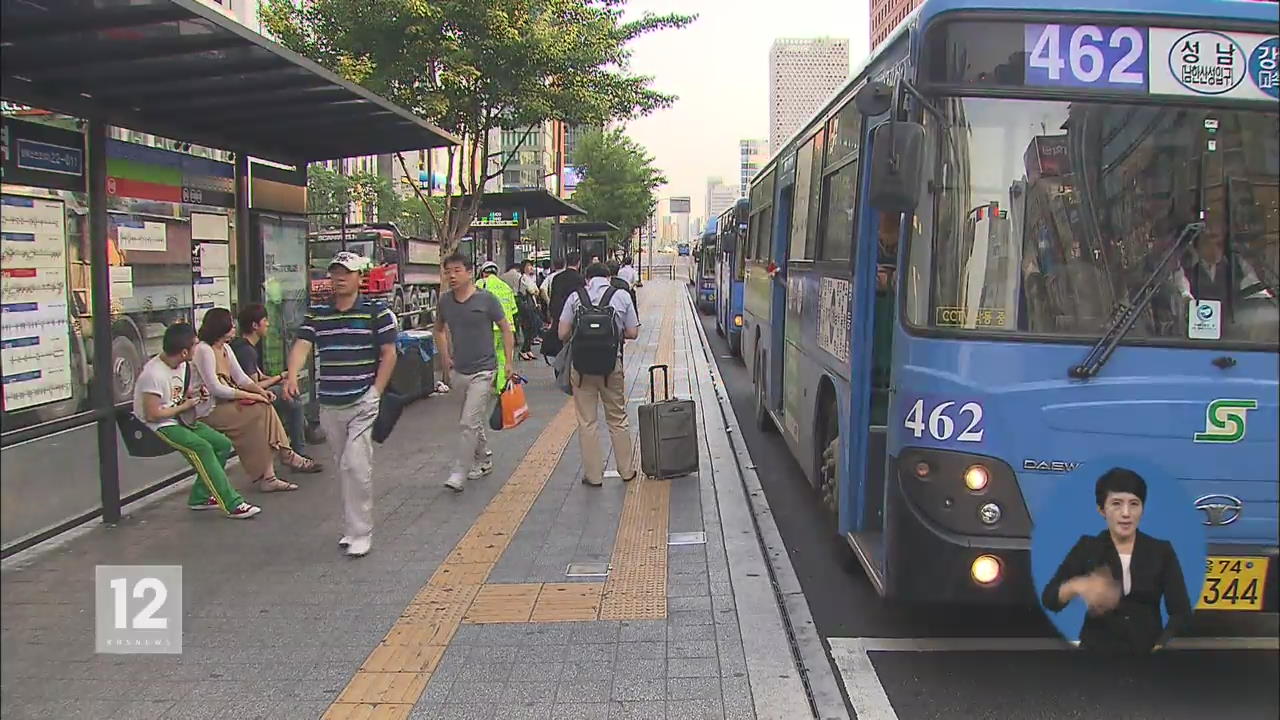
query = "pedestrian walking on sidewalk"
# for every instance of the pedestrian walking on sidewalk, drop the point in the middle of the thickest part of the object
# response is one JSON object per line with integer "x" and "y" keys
{"x": 165, "y": 398}
{"x": 464, "y": 337}
{"x": 495, "y": 285}
{"x": 355, "y": 343}
{"x": 562, "y": 285}
{"x": 597, "y": 369}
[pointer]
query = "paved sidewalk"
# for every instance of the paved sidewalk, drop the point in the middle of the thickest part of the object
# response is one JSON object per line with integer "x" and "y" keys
{"x": 529, "y": 595}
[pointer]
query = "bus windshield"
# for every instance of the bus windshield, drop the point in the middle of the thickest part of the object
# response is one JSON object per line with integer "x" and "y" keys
{"x": 1046, "y": 214}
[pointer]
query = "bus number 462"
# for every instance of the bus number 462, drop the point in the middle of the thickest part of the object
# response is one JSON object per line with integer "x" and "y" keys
{"x": 941, "y": 426}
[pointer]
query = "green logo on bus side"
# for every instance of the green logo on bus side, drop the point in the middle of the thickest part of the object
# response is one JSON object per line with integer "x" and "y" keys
{"x": 1224, "y": 421}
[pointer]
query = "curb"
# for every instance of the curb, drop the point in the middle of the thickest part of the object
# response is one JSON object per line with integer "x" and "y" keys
{"x": 767, "y": 593}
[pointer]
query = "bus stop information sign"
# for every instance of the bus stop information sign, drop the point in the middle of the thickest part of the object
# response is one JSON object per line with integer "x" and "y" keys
{"x": 499, "y": 219}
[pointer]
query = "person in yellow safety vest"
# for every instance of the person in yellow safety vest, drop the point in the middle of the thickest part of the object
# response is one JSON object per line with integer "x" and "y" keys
{"x": 492, "y": 282}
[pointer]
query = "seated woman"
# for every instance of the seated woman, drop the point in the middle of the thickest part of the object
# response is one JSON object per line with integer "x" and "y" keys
{"x": 240, "y": 409}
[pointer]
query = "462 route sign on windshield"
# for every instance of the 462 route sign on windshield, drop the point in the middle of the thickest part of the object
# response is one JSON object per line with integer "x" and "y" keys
{"x": 1095, "y": 56}
{"x": 1156, "y": 61}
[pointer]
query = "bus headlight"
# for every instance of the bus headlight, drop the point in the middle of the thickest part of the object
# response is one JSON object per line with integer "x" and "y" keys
{"x": 989, "y": 513}
{"x": 985, "y": 569}
{"x": 976, "y": 478}
{"x": 737, "y": 321}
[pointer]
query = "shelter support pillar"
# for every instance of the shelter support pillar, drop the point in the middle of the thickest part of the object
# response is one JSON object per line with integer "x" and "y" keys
{"x": 103, "y": 385}
{"x": 246, "y": 292}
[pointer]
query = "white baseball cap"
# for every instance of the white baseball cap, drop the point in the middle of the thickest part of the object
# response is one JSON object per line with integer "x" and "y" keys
{"x": 351, "y": 261}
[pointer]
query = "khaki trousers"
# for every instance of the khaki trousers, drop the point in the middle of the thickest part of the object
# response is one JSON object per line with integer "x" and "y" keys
{"x": 477, "y": 403}
{"x": 350, "y": 431}
{"x": 589, "y": 393}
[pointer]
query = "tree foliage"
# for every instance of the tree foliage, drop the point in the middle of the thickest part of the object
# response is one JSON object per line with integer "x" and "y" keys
{"x": 333, "y": 194}
{"x": 473, "y": 66}
{"x": 619, "y": 182}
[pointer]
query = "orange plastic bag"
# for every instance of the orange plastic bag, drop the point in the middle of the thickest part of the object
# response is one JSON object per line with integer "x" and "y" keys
{"x": 511, "y": 408}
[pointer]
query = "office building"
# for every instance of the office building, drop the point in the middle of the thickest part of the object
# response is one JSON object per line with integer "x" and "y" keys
{"x": 752, "y": 155}
{"x": 803, "y": 74}
{"x": 720, "y": 197}
{"x": 885, "y": 16}
{"x": 673, "y": 220}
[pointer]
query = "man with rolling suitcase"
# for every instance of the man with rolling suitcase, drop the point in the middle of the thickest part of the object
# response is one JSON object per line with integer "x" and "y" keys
{"x": 599, "y": 319}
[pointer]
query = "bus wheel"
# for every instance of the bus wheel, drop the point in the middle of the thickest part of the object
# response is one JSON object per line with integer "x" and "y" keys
{"x": 829, "y": 475}
{"x": 126, "y": 365}
{"x": 763, "y": 422}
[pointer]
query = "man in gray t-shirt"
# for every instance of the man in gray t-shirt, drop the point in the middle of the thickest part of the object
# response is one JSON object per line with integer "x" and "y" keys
{"x": 464, "y": 335}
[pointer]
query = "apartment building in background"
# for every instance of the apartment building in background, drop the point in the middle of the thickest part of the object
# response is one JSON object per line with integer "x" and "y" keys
{"x": 752, "y": 155}
{"x": 803, "y": 74}
{"x": 885, "y": 16}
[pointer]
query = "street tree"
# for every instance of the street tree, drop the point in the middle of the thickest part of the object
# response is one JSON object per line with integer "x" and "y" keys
{"x": 619, "y": 184}
{"x": 331, "y": 195}
{"x": 475, "y": 66}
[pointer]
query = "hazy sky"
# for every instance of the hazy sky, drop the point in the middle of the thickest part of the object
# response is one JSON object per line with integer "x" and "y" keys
{"x": 719, "y": 69}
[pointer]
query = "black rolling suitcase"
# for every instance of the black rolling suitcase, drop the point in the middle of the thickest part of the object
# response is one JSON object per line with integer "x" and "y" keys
{"x": 668, "y": 432}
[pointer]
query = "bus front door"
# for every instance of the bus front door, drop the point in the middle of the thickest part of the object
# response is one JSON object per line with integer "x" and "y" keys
{"x": 779, "y": 310}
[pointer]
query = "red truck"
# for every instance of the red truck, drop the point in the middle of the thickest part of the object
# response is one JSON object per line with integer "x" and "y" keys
{"x": 405, "y": 273}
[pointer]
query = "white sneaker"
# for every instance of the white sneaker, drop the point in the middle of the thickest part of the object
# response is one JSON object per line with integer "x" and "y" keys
{"x": 244, "y": 511}
{"x": 454, "y": 482}
{"x": 344, "y": 541}
{"x": 480, "y": 470}
{"x": 359, "y": 547}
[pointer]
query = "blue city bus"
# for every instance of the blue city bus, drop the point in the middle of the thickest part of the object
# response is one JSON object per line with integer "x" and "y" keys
{"x": 702, "y": 273}
{"x": 683, "y": 248}
{"x": 1024, "y": 237}
{"x": 730, "y": 272}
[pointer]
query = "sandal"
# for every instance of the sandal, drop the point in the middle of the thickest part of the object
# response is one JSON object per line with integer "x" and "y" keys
{"x": 303, "y": 464}
{"x": 275, "y": 484}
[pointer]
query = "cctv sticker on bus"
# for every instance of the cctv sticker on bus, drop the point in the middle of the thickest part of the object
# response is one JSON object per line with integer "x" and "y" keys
{"x": 1160, "y": 61}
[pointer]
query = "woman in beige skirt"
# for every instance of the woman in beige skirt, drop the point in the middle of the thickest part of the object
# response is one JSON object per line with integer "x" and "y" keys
{"x": 240, "y": 409}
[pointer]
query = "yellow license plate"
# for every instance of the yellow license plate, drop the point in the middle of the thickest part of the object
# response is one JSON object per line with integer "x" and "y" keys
{"x": 1233, "y": 583}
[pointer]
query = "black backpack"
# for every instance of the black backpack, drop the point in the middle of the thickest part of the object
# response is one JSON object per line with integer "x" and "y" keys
{"x": 597, "y": 344}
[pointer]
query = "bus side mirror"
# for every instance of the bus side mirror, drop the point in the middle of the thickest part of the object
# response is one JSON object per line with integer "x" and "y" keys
{"x": 873, "y": 99}
{"x": 897, "y": 164}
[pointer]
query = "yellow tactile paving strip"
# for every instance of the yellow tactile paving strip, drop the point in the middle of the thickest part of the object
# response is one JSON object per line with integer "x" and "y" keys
{"x": 636, "y": 588}
{"x": 396, "y": 673}
{"x": 535, "y": 602}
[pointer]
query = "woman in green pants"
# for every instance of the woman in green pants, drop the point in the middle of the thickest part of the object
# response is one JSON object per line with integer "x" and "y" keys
{"x": 164, "y": 400}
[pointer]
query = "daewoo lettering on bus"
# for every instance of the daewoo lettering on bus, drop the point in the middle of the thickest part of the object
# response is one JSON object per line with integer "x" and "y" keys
{"x": 1021, "y": 239}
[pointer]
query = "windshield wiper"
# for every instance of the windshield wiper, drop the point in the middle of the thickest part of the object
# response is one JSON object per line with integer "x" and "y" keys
{"x": 1126, "y": 313}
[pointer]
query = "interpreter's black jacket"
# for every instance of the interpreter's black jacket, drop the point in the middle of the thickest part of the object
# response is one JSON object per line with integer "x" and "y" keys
{"x": 1154, "y": 574}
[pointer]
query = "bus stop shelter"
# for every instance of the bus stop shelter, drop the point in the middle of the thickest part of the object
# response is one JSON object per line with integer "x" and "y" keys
{"x": 496, "y": 229}
{"x": 589, "y": 238}
{"x": 180, "y": 70}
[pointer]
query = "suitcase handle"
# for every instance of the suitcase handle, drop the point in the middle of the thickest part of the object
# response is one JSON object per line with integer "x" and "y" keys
{"x": 666, "y": 382}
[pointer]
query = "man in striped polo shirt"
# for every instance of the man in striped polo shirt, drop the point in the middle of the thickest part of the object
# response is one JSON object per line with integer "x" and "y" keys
{"x": 355, "y": 343}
